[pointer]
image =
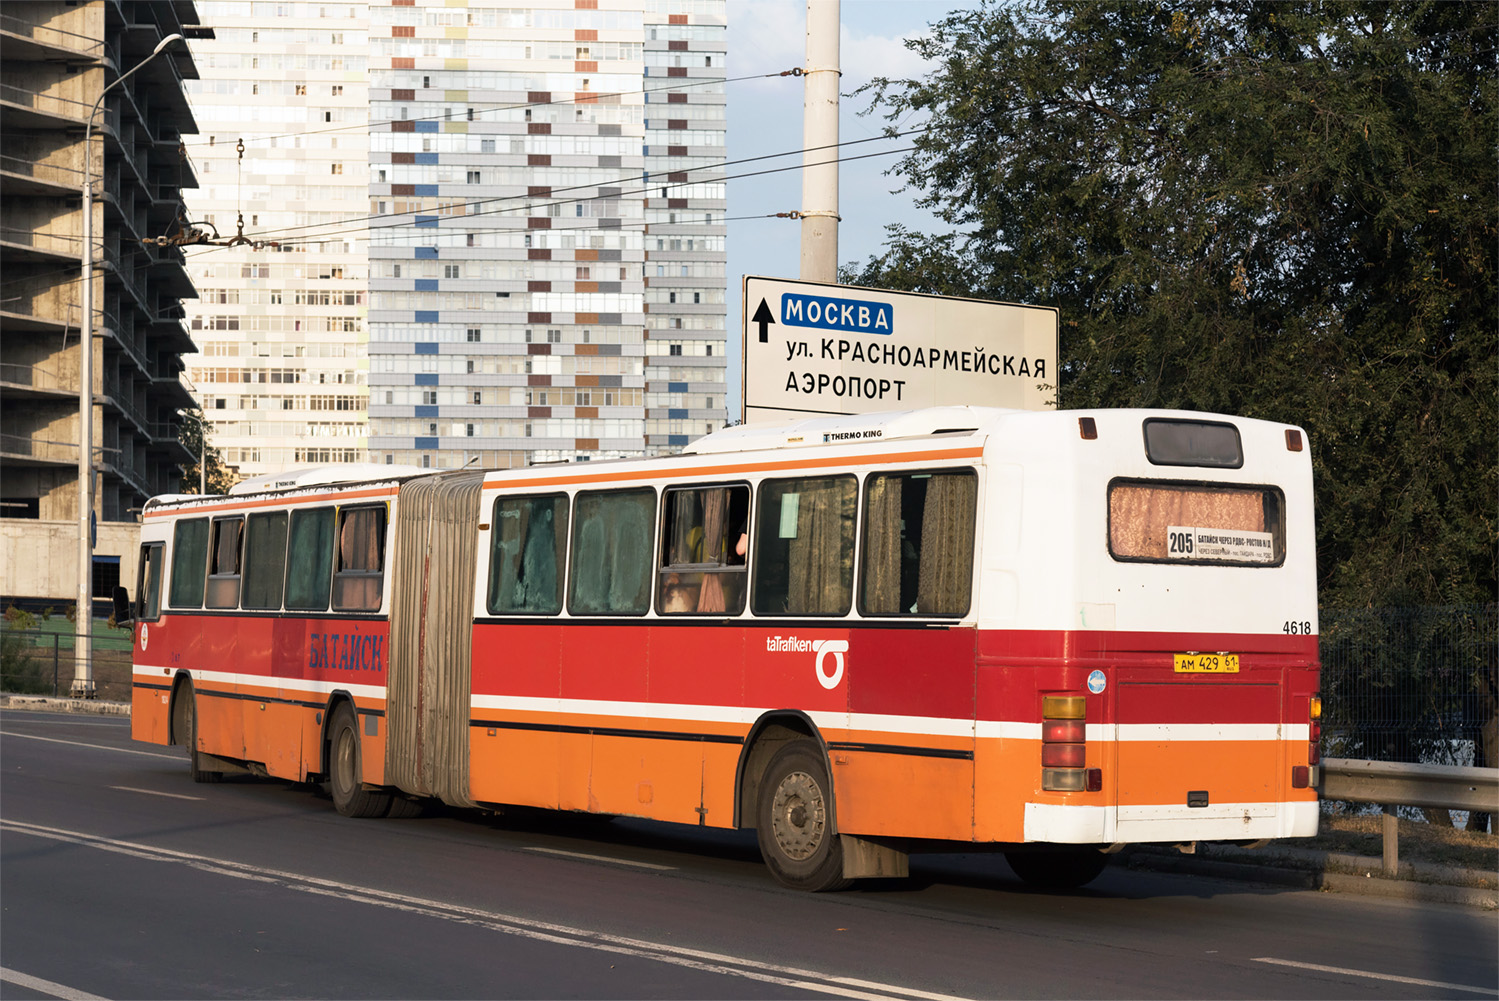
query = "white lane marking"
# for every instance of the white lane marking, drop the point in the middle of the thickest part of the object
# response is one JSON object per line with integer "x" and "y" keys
{"x": 40, "y": 717}
{"x": 602, "y": 858}
{"x": 508, "y": 924}
{"x": 97, "y": 747}
{"x": 1378, "y": 976}
{"x": 46, "y": 987}
{"x": 153, "y": 792}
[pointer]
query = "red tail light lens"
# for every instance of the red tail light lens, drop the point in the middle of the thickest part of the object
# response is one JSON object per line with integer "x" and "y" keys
{"x": 1064, "y": 731}
{"x": 1062, "y": 755}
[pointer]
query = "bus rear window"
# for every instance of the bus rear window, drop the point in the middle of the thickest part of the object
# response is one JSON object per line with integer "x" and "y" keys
{"x": 1193, "y": 443}
{"x": 1156, "y": 522}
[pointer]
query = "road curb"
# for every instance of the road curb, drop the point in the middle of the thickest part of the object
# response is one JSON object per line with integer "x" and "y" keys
{"x": 1319, "y": 872}
{"x": 53, "y": 704}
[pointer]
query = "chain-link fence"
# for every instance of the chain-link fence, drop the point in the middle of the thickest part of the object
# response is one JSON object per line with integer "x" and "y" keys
{"x": 1411, "y": 684}
{"x": 42, "y": 662}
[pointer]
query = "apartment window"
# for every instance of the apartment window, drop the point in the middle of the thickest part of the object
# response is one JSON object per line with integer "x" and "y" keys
{"x": 426, "y": 82}
{"x": 429, "y": 397}
{"x": 254, "y": 88}
{"x": 554, "y": 336}
{"x": 486, "y": 145}
{"x": 674, "y": 349}
{"x": 478, "y": 398}
{"x": 390, "y": 397}
{"x": 337, "y": 38}
{"x": 469, "y": 430}
{"x": 470, "y": 114}
{"x": 470, "y": 366}
{"x": 432, "y": 430}
{"x": 338, "y": 90}
{"x": 583, "y": 274}
{"x": 697, "y": 297}
{"x": 469, "y": 239}
{"x": 473, "y": 335}
{"x": 671, "y": 297}
{"x": 451, "y": 270}
{"x": 301, "y": 90}
{"x": 395, "y": 271}
{"x": 336, "y": 168}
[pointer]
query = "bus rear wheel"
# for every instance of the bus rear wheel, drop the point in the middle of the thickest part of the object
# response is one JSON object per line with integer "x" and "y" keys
{"x": 795, "y": 820}
{"x": 1058, "y": 868}
{"x": 350, "y": 798}
{"x": 185, "y": 731}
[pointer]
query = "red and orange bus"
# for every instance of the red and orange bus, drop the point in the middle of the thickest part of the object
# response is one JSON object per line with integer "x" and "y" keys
{"x": 1052, "y": 634}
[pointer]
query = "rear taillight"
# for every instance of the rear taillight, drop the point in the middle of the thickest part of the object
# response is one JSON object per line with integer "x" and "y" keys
{"x": 1064, "y": 745}
{"x": 1314, "y": 747}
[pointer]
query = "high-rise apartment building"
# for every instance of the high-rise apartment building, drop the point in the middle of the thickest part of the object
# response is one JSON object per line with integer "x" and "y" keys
{"x": 536, "y": 269}
{"x": 71, "y": 111}
{"x": 283, "y": 158}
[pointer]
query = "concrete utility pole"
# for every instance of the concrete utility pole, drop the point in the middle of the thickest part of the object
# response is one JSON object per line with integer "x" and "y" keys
{"x": 820, "y": 142}
{"x": 83, "y": 625}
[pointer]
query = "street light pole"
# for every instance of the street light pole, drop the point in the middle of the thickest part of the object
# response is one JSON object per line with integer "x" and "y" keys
{"x": 83, "y": 665}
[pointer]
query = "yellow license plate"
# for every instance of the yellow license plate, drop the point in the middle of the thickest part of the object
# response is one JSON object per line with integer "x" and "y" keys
{"x": 1206, "y": 663}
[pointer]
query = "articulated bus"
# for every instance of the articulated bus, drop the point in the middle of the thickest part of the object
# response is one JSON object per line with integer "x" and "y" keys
{"x": 1049, "y": 634}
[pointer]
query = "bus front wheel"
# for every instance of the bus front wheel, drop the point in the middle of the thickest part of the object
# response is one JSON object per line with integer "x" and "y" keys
{"x": 1058, "y": 868}
{"x": 185, "y": 731}
{"x": 345, "y": 772}
{"x": 795, "y": 820}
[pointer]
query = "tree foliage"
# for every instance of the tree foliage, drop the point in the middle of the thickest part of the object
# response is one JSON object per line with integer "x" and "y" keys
{"x": 1281, "y": 210}
{"x": 191, "y": 433}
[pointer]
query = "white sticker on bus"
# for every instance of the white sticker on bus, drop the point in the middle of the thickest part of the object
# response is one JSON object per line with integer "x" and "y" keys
{"x": 1189, "y": 543}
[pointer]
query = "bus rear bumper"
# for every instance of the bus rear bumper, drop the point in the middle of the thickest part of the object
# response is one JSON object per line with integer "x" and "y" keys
{"x": 1061, "y": 823}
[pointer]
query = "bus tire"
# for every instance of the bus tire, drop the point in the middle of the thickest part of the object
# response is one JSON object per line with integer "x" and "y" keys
{"x": 794, "y": 820}
{"x": 350, "y": 798}
{"x": 1058, "y": 868}
{"x": 185, "y": 731}
{"x": 402, "y": 808}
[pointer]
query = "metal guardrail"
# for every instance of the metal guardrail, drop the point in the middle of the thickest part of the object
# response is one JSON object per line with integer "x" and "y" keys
{"x": 1393, "y": 783}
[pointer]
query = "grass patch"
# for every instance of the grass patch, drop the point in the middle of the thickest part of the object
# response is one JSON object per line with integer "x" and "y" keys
{"x": 1363, "y": 834}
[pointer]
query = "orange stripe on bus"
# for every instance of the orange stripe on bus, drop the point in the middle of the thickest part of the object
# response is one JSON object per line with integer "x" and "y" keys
{"x": 836, "y": 461}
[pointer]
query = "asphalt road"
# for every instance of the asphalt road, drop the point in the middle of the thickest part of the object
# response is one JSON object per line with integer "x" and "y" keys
{"x": 120, "y": 878}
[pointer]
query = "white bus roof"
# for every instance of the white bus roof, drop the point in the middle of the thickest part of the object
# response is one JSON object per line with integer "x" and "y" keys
{"x": 348, "y": 472}
{"x": 846, "y": 428}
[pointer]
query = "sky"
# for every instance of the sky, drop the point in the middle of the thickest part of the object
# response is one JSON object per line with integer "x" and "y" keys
{"x": 765, "y": 116}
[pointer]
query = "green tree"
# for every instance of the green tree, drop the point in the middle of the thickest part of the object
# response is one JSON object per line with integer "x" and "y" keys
{"x": 1280, "y": 210}
{"x": 191, "y": 432}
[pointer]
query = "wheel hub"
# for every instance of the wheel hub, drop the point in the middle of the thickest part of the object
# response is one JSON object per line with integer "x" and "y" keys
{"x": 798, "y": 816}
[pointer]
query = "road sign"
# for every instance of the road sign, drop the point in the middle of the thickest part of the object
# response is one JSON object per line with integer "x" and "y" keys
{"x": 812, "y": 348}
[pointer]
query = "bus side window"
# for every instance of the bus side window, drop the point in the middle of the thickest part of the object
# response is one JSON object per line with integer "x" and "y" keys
{"x": 804, "y": 546}
{"x": 611, "y": 563}
{"x": 361, "y": 560}
{"x": 529, "y": 555}
{"x": 224, "y": 563}
{"x": 148, "y": 587}
{"x": 189, "y": 561}
{"x": 265, "y": 559}
{"x": 702, "y": 568}
{"x": 309, "y": 561}
{"x": 918, "y": 543}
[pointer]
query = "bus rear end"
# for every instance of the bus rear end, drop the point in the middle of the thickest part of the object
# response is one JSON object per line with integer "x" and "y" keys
{"x": 1169, "y": 628}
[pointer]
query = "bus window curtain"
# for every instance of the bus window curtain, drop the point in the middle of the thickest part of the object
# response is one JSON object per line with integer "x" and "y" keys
{"x": 536, "y": 590}
{"x": 629, "y": 535}
{"x": 715, "y": 506}
{"x": 882, "y": 547}
{"x": 1140, "y": 515}
{"x": 226, "y": 553}
{"x": 815, "y": 583}
{"x": 946, "y": 570}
